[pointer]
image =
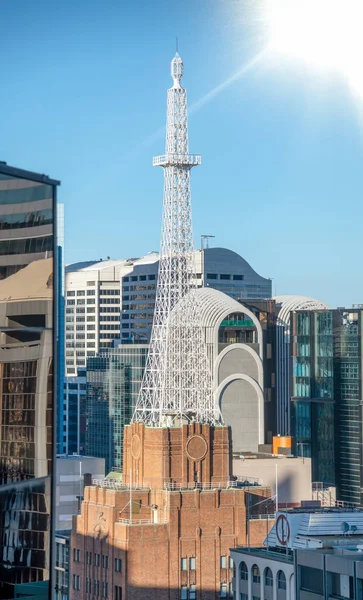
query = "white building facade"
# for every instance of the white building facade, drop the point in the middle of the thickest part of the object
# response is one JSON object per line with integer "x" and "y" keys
{"x": 115, "y": 299}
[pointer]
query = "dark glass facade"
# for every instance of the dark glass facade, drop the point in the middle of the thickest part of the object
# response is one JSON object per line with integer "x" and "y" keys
{"x": 327, "y": 396}
{"x": 312, "y": 410}
{"x": 27, "y": 362}
{"x": 113, "y": 383}
{"x": 349, "y": 400}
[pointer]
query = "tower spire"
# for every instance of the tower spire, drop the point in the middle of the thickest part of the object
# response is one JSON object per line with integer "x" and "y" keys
{"x": 177, "y": 384}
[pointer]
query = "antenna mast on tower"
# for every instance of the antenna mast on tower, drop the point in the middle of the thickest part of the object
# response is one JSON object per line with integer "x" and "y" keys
{"x": 177, "y": 384}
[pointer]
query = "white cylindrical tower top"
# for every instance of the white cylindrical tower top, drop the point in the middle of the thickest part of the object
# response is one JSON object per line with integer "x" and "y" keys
{"x": 177, "y": 69}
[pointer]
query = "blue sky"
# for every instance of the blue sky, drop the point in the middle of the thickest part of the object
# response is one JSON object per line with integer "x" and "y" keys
{"x": 83, "y": 99}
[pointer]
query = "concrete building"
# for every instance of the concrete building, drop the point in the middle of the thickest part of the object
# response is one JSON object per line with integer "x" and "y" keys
{"x": 309, "y": 554}
{"x": 92, "y": 310}
{"x": 292, "y": 475}
{"x": 98, "y": 291}
{"x": 233, "y": 336}
{"x": 70, "y": 472}
{"x": 168, "y": 534}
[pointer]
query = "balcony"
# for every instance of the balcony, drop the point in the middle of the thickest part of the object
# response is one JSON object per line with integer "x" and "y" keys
{"x": 177, "y": 160}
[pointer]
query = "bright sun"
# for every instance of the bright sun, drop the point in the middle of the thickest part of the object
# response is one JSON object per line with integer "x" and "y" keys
{"x": 325, "y": 33}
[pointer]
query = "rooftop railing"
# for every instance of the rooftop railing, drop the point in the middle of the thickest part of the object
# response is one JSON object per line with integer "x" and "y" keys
{"x": 142, "y": 521}
{"x": 114, "y": 484}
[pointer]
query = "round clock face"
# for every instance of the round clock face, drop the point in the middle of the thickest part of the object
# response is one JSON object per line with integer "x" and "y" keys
{"x": 196, "y": 447}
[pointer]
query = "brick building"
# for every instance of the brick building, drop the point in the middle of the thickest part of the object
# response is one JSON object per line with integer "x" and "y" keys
{"x": 166, "y": 536}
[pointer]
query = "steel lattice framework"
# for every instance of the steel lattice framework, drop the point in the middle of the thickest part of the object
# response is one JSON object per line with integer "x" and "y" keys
{"x": 177, "y": 384}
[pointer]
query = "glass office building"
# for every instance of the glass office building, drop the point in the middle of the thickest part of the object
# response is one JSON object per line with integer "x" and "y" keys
{"x": 28, "y": 312}
{"x": 327, "y": 396}
{"x": 113, "y": 383}
{"x": 349, "y": 402}
{"x": 313, "y": 391}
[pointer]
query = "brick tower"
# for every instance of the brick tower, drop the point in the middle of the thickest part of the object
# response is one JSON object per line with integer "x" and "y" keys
{"x": 164, "y": 531}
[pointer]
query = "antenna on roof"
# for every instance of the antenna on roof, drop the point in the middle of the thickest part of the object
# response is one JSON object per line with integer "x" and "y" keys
{"x": 205, "y": 238}
{"x": 176, "y": 43}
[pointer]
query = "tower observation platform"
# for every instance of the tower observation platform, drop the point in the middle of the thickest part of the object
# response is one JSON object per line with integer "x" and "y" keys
{"x": 177, "y": 160}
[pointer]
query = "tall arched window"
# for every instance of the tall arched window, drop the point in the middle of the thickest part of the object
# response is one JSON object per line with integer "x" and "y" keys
{"x": 269, "y": 580}
{"x": 256, "y": 575}
{"x": 243, "y": 571}
{"x": 281, "y": 580}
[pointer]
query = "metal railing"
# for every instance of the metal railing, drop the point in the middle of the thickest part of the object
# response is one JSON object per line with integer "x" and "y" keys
{"x": 169, "y": 485}
{"x": 114, "y": 484}
{"x": 142, "y": 521}
{"x": 177, "y": 159}
{"x": 270, "y": 516}
{"x": 248, "y": 481}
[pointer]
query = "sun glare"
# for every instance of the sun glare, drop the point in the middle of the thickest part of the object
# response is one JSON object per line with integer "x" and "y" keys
{"x": 325, "y": 33}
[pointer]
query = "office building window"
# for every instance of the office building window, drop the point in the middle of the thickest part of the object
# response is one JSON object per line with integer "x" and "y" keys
{"x": 212, "y": 276}
{"x": 269, "y": 580}
{"x": 183, "y": 564}
{"x": 223, "y": 562}
{"x": 96, "y": 587}
{"x": 256, "y": 576}
{"x": 105, "y": 561}
{"x": 105, "y": 589}
{"x": 76, "y": 555}
{"x": 184, "y": 592}
{"x": 192, "y": 592}
{"x": 97, "y": 560}
{"x": 91, "y": 292}
{"x": 192, "y": 565}
{"x": 118, "y": 565}
{"x": 151, "y": 277}
{"x": 71, "y": 293}
{"x": 118, "y": 593}
{"x": 243, "y": 570}
{"x": 281, "y": 580}
{"x": 126, "y": 279}
{"x": 77, "y": 582}
{"x": 238, "y": 277}
{"x": 224, "y": 276}
{"x": 223, "y": 591}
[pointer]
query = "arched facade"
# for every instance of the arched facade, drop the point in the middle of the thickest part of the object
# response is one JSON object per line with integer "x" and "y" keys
{"x": 263, "y": 578}
{"x": 233, "y": 336}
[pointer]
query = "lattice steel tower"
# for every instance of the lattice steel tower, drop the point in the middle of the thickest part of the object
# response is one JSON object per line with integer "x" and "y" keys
{"x": 177, "y": 384}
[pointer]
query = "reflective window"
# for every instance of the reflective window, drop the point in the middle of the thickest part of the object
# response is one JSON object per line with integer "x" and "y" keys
{"x": 269, "y": 580}
{"x": 281, "y": 580}
{"x": 26, "y": 380}
{"x": 256, "y": 576}
{"x": 243, "y": 571}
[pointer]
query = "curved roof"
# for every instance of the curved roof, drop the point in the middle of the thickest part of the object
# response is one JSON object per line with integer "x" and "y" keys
{"x": 289, "y": 303}
{"x": 212, "y": 306}
{"x": 232, "y": 259}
